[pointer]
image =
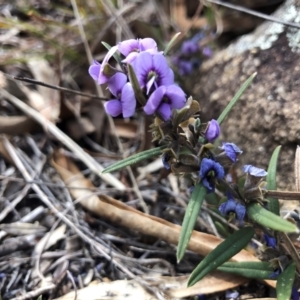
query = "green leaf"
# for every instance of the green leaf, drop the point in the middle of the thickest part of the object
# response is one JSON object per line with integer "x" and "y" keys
{"x": 255, "y": 269}
{"x": 223, "y": 252}
{"x": 273, "y": 204}
{"x": 139, "y": 95}
{"x": 170, "y": 44}
{"x": 267, "y": 219}
{"x": 190, "y": 217}
{"x": 134, "y": 159}
{"x": 116, "y": 55}
{"x": 285, "y": 282}
{"x": 233, "y": 101}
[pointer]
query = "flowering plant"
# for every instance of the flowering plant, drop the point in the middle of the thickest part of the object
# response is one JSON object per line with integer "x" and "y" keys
{"x": 144, "y": 80}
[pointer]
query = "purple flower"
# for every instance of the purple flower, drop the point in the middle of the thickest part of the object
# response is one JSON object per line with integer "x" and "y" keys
{"x": 231, "y": 295}
{"x": 295, "y": 294}
{"x": 275, "y": 274}
{"x": 209, "y": 171}
{"x": 165, "y": 160}
{"x": 185, "y": 67}
{"x": 254, "y": 171}
{"x": 270, "y": 241}
{"x": 212, "y": 131}
{"x": 231, "y": 150}
{"x": 131, "y": 48}
{"x": 163, "y": 99}
{"x": 152, "y": 71}
{"x": 96, "y": 70}
{"x": 232, "y": 206}
{"x": 123, "y": 91}
{"x": 189, "y": 47}
{"x": 206, "y": 51}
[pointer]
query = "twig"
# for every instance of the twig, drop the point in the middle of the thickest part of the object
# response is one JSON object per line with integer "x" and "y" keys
{"x": 58, "y": 88}
{"x": 8, "y": 208}
{"x": 73, "y": 283}
{"x": 254, "y": 13}
{"x": 36, "y": 292}
{"x": 283, "y": 195}
{"x": 57, "y": 185}
{"x": 65, "y": 140}
{"x": 288, "y": 245}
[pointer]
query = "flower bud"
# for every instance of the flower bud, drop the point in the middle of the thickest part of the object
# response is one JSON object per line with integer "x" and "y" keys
{"x": 212, "y": 131}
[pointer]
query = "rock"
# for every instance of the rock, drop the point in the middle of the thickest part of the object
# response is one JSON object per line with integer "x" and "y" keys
{"x": 268, "y": 113}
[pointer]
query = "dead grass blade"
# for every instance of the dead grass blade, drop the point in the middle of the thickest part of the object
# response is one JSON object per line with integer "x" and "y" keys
{"x": 15, "y": 125}
{"x": 123, "y": 215}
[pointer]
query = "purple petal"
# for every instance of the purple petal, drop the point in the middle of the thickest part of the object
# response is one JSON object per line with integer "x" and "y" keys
{"x": 240, "y": 212}
{"x": 254, "y": 171}
{"x": 94, "y": 70}
{"x": 230, "y": 295}
{"x": 206, "y": 51}
{"x": 176, "y": 96}
{"x": 185, "y": 67}
{"x": 128, "y": 46}
{"x": 295, "y": 294}
{"x": 165, "y": 160}
{"x": 128, "y": 101}
{"x": 231, "y": 150}
{"x": 231, "y": 206}
{"x": 270, "y": 241}
{"x": 154, "y": 100}
{"x": 116, "y": 83}
{"x": 102, "y": 78}
{"x": 209, "y": 185}
{"x": 165, "y": 111}
{"x": 206, "y": 165}
{"x": 189, "y": 47}
{"x": 142, "y": 65}
{"x": 161, "y": 67}
{"x": 146, "y": 44}
{"x": 219, "y": 170}
{"x": 130, "y": 57}
{"x": 113, "y": 107}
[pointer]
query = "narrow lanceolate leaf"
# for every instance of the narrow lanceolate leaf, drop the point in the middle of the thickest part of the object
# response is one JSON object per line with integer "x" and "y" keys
{"x": 255, "y": 269}
{"x": 136, "y": 86}
{"x": 223, "y": 252}
{"x": 190, "y": 217}
{"x": 264, "y": 217}
{"x": 233, "y": 101}
{"x": 134, "y": 159}
{"x": 273, "y": 204}
{"x": 285, "y": 282}
{"x": 171, "y": 43}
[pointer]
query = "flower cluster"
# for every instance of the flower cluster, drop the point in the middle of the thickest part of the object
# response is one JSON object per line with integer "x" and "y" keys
{"x": 143, "y": 79}
{"x": 188, "y": 58}
{"x": 154, "y": 76}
